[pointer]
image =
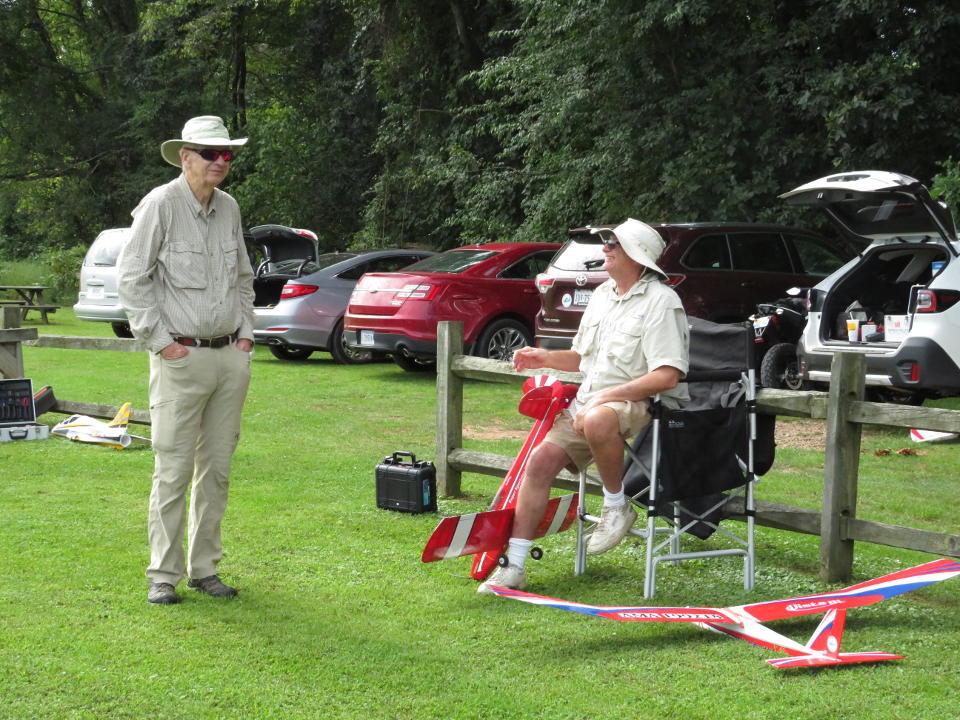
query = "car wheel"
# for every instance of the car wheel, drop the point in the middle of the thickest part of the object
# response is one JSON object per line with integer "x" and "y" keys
{"x": 283, "y": 352}
{"x": 413, "y": 365}
{"x": 501, "y": 338}
{"x": 342, "y": 353}
{"x": 781, "y": 369}
{"x": 122, "y": 329}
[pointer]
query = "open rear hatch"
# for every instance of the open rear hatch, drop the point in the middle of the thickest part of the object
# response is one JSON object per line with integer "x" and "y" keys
{"x": 279, "y": 253}
{"x": 877, "y": 206}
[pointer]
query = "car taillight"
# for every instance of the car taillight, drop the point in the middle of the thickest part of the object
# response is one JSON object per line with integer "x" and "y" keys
{"x": 292, "y": 290}
{"x": 931, "y": 301}
{"x": 544, "y": 283}
{"x": 675, "y": 279}
{"x": 416, "y": 292}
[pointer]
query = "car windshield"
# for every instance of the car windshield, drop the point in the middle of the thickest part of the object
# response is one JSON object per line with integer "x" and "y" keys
{"x": 578, "y": 257}
{"x": 105, "y": 249}
{"x": 452, "y": 261}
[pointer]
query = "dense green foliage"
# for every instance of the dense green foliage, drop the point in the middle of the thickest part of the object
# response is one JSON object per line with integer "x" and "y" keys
{"x": 434, "y": 122}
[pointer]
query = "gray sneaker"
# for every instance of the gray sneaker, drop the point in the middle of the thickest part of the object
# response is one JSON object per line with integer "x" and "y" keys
{"x": 162, "y": 594}
{"x": 213, "y": 586}
{"x": 510, "y": 576}
{"x": 615, "y": 523}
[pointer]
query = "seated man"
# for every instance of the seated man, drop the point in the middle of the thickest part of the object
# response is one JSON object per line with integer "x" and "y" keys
{"x": 632, "y": 344}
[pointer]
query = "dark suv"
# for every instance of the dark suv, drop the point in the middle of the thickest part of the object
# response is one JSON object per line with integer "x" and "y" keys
{"x": 720, "y": 270}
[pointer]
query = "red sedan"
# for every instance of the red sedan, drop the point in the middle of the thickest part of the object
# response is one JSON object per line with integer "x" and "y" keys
{"x": 489, "y": 288}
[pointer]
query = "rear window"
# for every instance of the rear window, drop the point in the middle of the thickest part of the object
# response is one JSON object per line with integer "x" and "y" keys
{"x": 452, "y": 261}
{"x": 106, "y": 248}
{"x": 884, "y": 218}
{"x": 579, "y": 257}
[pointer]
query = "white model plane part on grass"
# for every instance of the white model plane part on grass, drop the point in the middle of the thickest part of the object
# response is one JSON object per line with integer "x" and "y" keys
{"x": 930, "y": 435}
{"x": 82, "y": 428}
{"x": 746, "y": 621}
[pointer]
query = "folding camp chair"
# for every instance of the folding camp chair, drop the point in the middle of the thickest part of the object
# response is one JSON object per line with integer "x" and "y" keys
{"x": 697, "y": 456}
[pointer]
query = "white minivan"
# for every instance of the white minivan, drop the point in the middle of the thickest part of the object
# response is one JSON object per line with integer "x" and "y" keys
{"x": 897, "y": 301}
{"x": 98, "y": 298}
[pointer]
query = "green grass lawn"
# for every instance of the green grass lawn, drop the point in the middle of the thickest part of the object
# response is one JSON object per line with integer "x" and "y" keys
{"x": 337, "y": 617}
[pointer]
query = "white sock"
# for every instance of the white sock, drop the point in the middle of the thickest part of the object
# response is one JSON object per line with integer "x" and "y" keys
{"x": 517, "y": 551}
{"x": 617, "y": 499}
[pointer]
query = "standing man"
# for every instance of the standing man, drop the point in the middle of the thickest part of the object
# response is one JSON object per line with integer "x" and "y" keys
{"x": 632, "y": 344}
{"x": 186, "y": 284}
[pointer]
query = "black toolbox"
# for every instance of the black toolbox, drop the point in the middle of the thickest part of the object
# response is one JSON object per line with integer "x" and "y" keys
{"x": 406, "y": 486}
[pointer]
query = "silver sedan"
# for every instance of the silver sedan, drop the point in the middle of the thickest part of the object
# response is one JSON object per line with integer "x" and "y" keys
{"x": 298, "y": 316}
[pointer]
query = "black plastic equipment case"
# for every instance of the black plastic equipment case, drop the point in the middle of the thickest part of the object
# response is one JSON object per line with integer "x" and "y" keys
{"x": 406, "y": 486}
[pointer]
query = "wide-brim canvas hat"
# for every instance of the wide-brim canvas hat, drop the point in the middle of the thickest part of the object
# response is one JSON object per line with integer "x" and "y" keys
{"x": 639, "y": 241}
{"x": 203, "y": 131}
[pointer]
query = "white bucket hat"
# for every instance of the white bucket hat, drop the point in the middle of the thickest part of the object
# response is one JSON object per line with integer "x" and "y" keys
{"x": 203, "y": 131}
{"x": 639, "y": 241}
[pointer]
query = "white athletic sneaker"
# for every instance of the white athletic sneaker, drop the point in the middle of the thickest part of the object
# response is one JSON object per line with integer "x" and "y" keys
{"x": 614, "y": 524}
{"x": 511, "y": 576}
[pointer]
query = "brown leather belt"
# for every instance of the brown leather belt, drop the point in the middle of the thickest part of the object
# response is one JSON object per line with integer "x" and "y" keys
{"x": 216, "y": 342}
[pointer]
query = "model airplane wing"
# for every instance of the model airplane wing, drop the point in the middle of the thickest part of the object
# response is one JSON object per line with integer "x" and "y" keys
{"x": 865, "y": 593}
{"x": 489, "y": 531}
{"x": 746, "y": 621}
{"x": 81, "y": 428}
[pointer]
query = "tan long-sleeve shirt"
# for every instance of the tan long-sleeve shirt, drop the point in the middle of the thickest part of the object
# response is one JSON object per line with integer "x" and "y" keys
{"x": 185, "y": 271}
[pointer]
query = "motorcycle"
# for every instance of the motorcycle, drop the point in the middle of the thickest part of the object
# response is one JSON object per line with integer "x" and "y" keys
{"x": 777, "y": 328}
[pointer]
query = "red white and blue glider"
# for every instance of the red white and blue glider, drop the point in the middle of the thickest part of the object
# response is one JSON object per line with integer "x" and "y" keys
{"x": 746, "y": 621}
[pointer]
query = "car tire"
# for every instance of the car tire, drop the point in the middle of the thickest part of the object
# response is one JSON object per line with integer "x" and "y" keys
{"x": 780, "y": 368}
{"x": 284, "y": 352}
{"x": 122, "y": 329}
{"x": 501, "y": 338}
{"x": 341, "y": 353}
{"x": 410, "y": 364}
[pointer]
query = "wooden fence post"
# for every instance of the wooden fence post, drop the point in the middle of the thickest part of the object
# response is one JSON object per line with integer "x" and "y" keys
{"x": 11, "y": 335}
{"x": 840, "y": 467}
{"x": 449, "y": 406}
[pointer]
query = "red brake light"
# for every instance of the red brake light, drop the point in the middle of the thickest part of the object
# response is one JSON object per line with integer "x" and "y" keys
{"x": 544, "y": 283}
{"x": 931, "y": 301}
{"x": 292, "y": 290}
{"x": 675, "y": 279}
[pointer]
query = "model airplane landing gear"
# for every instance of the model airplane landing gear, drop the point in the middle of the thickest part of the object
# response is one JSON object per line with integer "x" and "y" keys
{"x": 535, "y": 552}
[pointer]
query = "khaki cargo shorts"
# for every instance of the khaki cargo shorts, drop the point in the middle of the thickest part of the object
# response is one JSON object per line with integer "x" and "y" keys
{"x": 632, "y": 416}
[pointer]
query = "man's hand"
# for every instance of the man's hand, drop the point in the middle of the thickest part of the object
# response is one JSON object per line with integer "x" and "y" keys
{"x": 529, "y": 358}
{"x": 173, "y": 351}
{"x": 245, "y": 344}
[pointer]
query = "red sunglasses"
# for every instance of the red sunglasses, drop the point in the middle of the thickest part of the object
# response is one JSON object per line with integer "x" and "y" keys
{"x": 213, "y": 155}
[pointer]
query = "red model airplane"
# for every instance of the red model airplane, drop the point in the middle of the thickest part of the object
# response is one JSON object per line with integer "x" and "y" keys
{"x": 746, "y": 621}
{"x": 486, "y": 534}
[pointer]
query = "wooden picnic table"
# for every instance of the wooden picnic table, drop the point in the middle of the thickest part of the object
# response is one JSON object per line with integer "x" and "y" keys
{"x": 28, "y": 297}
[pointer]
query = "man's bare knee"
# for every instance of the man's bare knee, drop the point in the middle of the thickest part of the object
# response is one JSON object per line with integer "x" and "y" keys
{"x": 545, "y": 463}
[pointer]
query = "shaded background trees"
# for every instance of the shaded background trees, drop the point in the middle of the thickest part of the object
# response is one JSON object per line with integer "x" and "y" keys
{"x": 436, "y": 122}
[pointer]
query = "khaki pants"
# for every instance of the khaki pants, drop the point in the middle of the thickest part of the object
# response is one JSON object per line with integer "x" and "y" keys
{"x": 195, "y": 406}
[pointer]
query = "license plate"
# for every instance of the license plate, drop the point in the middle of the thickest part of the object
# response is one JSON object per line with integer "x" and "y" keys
{"x": 366, "y": 338}
{"x": 95, "y": 293}
{"x": 581, "y": 297}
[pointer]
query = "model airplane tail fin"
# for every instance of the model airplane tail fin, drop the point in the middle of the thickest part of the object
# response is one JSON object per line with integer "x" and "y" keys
{"x": 122, "y": 418}
{"x": 826, "y": 638}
